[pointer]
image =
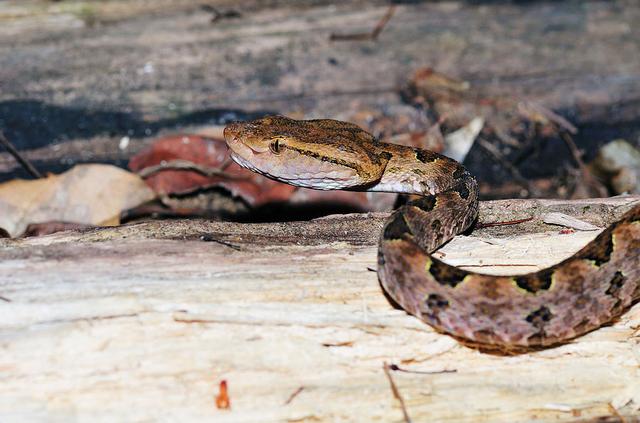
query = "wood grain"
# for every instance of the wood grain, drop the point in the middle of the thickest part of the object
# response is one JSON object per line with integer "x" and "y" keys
{"x": 143, "y": 322}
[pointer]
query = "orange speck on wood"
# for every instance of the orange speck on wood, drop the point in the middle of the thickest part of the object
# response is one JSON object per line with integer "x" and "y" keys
{"x": 222, "y": 399}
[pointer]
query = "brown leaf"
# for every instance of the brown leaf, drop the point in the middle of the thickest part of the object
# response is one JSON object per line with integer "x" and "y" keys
{"x": 90, "y": 194}
{"x": 205, "y": 153}
{"x": 508, "y": 118}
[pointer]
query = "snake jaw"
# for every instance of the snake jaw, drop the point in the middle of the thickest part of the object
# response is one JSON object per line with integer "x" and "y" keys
{"x": 245, "y": 149}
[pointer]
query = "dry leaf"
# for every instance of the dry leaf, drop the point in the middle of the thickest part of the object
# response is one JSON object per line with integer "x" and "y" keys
{"x": 571, "y": 222}
{"x": 459, "y": 142}
{"x": 206, "y": 154}
{"x": 510, "y": 120}
{"x": 90, "y": 194}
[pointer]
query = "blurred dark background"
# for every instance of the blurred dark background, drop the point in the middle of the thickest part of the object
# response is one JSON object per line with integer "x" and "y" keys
{"x": 78, "y": 77}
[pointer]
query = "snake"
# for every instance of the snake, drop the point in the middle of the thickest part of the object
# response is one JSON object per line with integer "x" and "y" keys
{"x": 503, "y": 314}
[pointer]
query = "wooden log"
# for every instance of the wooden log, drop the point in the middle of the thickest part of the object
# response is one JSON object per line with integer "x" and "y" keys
{"x": 142, "y": 322}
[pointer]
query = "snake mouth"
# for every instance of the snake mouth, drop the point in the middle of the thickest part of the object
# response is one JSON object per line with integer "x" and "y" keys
{"x": 239, "y": 142}
{"x": 240, "y": 149}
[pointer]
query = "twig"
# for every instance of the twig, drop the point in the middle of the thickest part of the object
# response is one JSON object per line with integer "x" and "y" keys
{"x": 373, "y": 35}
{"x": 23, "y": 161}
{"x": 293, "y": 395}
{"x": 575, "y": 151}
{"x": 508, "y": 222}
{"x": 5, "y": 299}
{"x": 189, "y": 166}
{"x": 497, "y": 155}
{"x": 210, "y": 238}
{"x": 396, "y": 368}
{"x": 549, "y": 114}
{"x": 396, "y": 393}
{"x": 217, "y": 15}
{"x": 588, "y": 180}
{"x": 615, "y": 412}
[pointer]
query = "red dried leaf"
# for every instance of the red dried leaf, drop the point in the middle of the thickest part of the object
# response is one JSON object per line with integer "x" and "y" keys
{"x": 212, "y": 153}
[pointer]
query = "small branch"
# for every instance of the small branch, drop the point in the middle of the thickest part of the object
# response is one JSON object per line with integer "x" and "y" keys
{"x": 19, "y": 158}
{"x": 395, "y": 368}
{"x": 548, "y": 114}
{"x": 217, "y": 15}
{"x": 588, "y": 179}
{"x": 293, "y": 395}
{"x": 616, "y": 413}
{"x": 497, "y": 155}
{"x": 189, "y": 166}
{"x": 210, "y": 238}
{"x": 396, "y": 393}
{"x": 575, "y": 152}
{"x": 373, "y": 35}
{"x": 508, "y": 222}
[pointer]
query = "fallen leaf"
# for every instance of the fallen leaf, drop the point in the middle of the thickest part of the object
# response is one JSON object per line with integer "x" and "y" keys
{"x": 561, "y": 219}
{"x": 458, "y": 143}
{"x": 508, "y": 119}
{"x": 92, "y": 194}
{"x": 206, "y": 154}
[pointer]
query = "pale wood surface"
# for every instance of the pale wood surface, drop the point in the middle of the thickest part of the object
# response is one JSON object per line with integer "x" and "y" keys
{"x": 142, "y": 322}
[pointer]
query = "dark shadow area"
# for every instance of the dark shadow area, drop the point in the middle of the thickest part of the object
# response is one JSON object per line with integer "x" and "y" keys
{"x": 48, "y": 166}
{"x": 542, "y": 157}
{"x": 286, "y": 212}
{"x": 30, "y": 124}
{"x": 242, "y": 212}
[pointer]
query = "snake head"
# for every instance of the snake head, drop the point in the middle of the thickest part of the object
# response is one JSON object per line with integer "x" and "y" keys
{"x": 320, "y": 154}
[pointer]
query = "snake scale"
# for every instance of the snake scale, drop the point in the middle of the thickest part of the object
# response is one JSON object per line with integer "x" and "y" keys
{"x": 506, "y": 314}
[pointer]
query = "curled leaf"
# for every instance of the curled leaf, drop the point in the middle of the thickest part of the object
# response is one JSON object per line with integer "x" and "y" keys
{"x": 93, "y": 194}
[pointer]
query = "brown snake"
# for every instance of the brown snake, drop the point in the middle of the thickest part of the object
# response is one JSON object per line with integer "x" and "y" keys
{"x": 506, "y": 314}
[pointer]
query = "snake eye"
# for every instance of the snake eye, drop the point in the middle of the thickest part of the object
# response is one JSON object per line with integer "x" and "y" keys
{"x": 275, "y": 147}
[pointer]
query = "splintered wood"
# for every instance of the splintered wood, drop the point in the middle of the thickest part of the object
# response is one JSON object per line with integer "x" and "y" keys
{"x": 150, "y": 322}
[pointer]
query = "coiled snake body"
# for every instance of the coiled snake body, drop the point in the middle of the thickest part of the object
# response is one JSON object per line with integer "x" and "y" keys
{"x": 500, "y": 313}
